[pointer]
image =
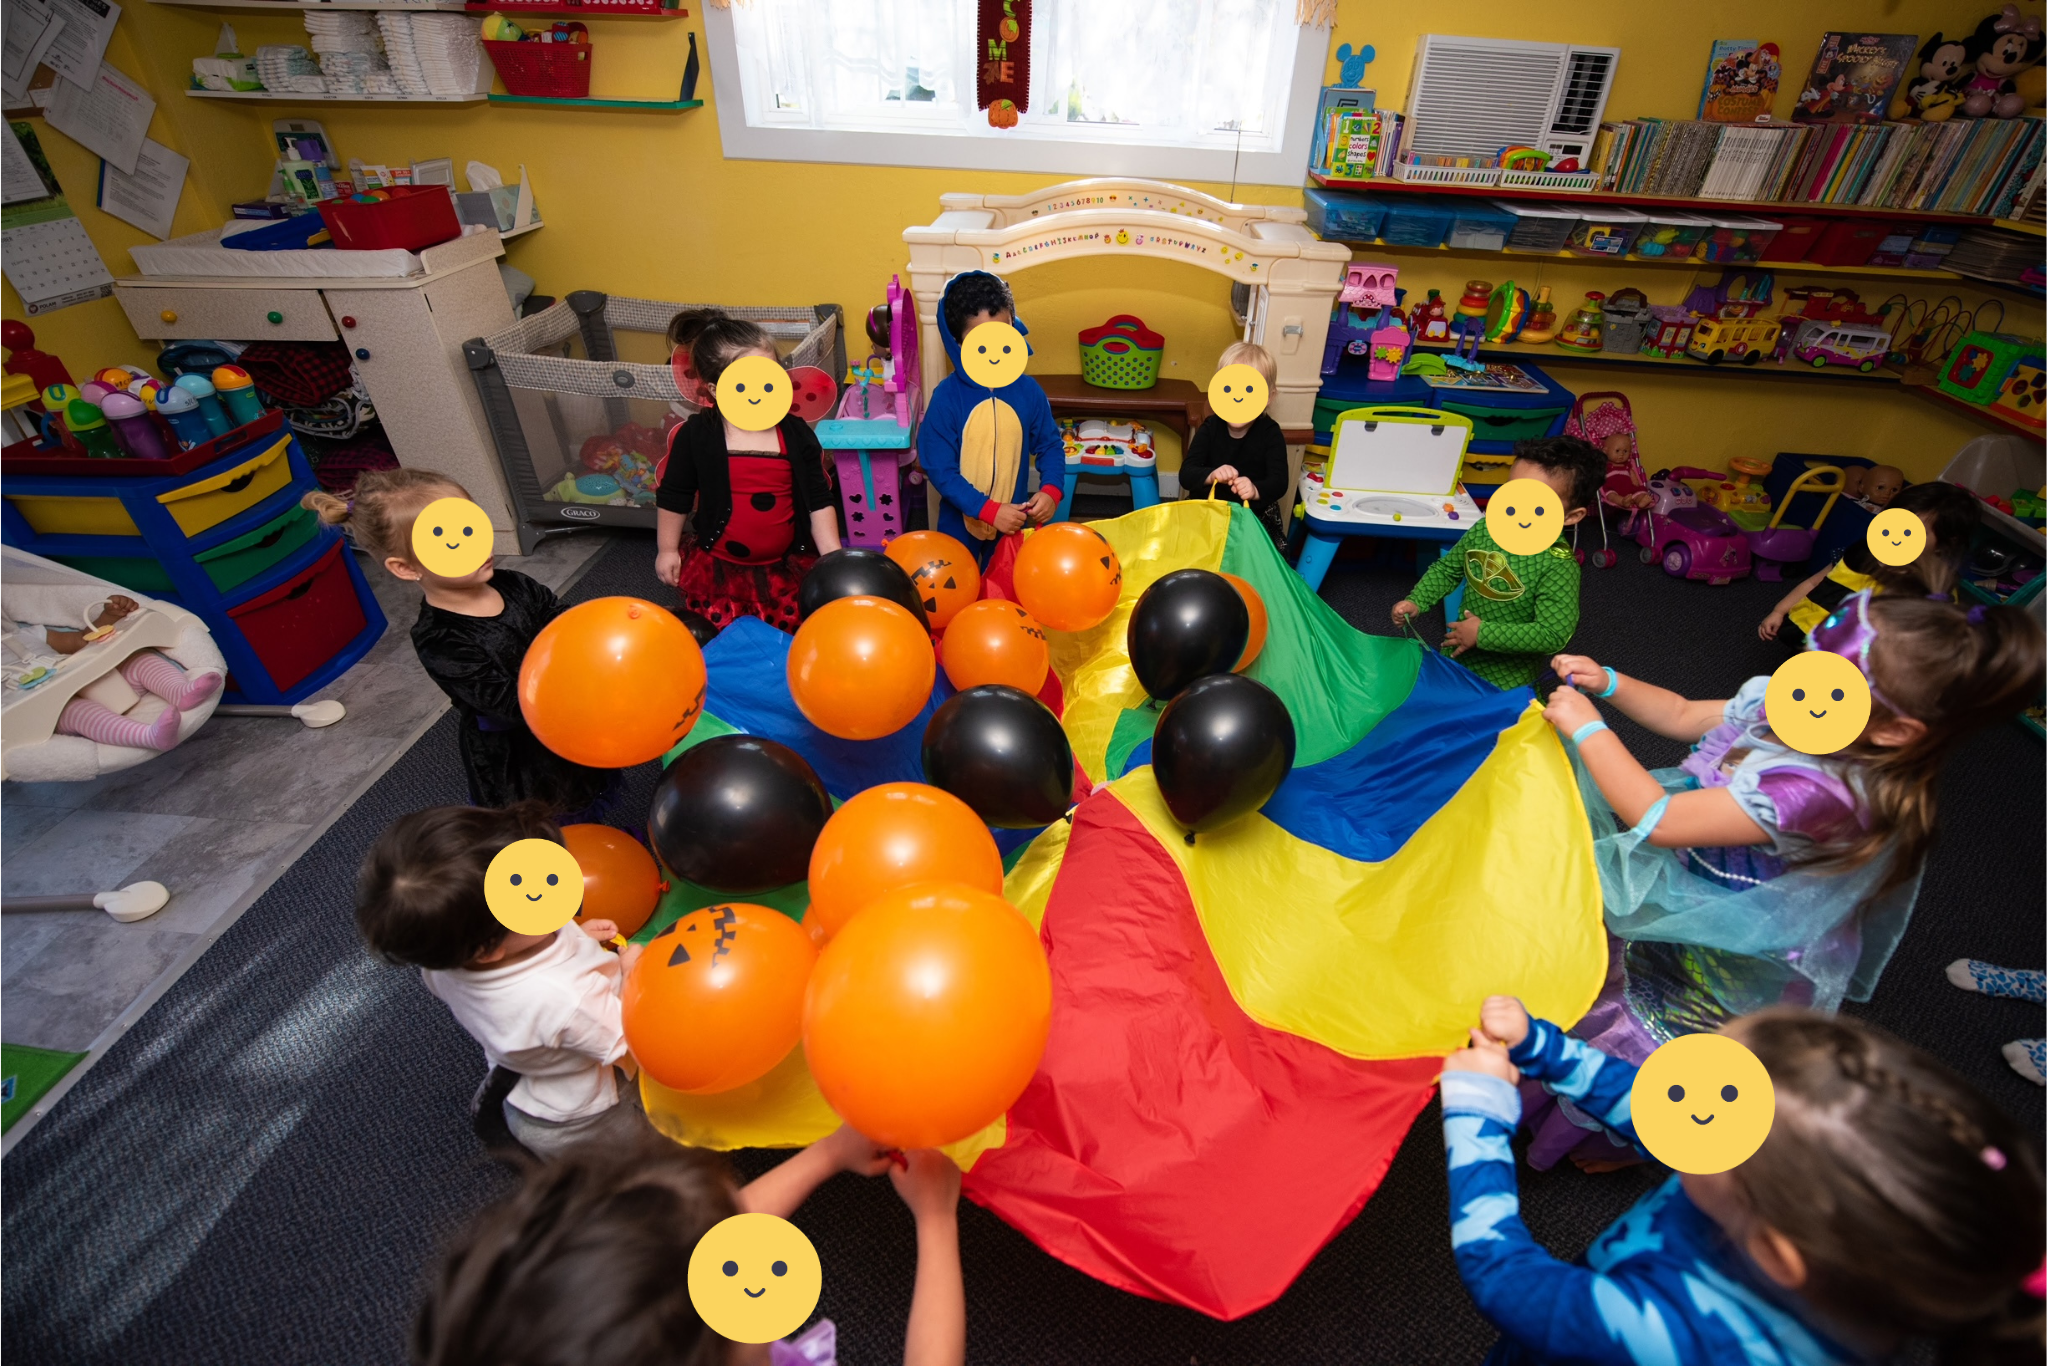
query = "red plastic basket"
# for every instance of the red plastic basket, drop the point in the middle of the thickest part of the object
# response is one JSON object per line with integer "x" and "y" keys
{"x": 415, "y": 216}
{"x": 558, "y": 70}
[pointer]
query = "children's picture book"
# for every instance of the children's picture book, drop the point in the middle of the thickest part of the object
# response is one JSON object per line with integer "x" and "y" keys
{"x": 1497, "y": 377}
{"x": 1853, "y": 77}
{"x": 1742, "y": 81}
{"x": 1334, "y": 101}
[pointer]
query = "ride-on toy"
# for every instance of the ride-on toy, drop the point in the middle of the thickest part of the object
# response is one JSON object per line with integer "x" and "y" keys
{"x": 1691, "y": 541}
{"x": 1777, "y": 546}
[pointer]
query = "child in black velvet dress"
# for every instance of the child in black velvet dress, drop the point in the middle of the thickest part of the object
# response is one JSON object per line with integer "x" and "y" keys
{"x": 471, "y": 635}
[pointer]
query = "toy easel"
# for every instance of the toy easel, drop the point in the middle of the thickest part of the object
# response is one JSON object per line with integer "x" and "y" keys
{"x": 872, "y": 437}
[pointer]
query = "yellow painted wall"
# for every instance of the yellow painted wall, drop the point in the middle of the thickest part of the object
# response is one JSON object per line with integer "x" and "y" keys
{"x": 646, "y": 204}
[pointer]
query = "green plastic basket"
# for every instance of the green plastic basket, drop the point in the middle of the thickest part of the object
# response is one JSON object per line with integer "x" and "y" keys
{"x": 1123, "y": 353}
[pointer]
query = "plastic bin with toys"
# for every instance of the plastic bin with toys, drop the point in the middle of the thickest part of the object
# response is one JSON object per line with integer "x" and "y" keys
{"x": 580, "y": 398}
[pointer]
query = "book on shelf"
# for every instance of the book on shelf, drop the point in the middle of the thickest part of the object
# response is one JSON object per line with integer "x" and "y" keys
{"x": 1853, "y": 77}
{"x": 1742, "y": 81}
{"x": 1334, "y": 100}
{"x": 1362, "y": 144}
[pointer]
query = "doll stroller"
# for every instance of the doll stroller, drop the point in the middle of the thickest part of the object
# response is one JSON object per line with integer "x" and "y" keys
{"x": 1597, "y": 425}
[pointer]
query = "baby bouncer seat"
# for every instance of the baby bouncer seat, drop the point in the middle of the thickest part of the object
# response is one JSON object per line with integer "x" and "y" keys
{"x": 37, "y": 591}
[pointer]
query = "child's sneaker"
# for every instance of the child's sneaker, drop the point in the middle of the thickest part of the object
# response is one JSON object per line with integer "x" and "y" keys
{"x": 2029, "y": 1058}
{"x": 1973, "y": 975}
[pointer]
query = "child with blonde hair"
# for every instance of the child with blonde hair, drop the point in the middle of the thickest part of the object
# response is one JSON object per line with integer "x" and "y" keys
{"x": 1249, "y": 459}
{"x": 471, "y": 636}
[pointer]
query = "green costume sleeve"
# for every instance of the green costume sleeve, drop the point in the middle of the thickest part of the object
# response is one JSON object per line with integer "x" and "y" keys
{"x": 1440, "y": 578}
{"x": 1556, "y": 612}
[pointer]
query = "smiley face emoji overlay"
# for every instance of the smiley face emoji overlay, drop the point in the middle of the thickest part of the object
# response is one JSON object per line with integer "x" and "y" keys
{"x": 754, "y": 1278}
{"x": 1702, "y": 1103}
{"x": 1524, "y": 516}
{"x": 754, "y": 393}
{"x": 1817, "y": 702}
{"x": 1896, "y": 537}
{"x": 1238, "y": 393}
{"x": 994, "y": 355}
{"x": 534, "y": 886}
{"x": 452, "y": 538}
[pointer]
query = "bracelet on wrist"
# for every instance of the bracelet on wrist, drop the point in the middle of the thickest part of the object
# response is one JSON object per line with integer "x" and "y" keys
{"x": 1613, "y": 682}
{"x": 1591, "y": 728}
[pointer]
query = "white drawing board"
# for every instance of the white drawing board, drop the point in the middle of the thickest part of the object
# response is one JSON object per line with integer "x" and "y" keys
{"x": 1418, "y": 451}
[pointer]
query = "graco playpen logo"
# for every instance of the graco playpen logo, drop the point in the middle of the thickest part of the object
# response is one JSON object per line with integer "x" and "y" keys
{"x": 580, "y": 514}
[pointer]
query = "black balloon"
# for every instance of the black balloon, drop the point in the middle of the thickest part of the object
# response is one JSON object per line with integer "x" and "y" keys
{"x": 1002, "y": 752}
{"x": 738, "y": 814}
{"x": 851, "y": 573}
{"x": 1187, "y": 625}
{"x": 700, "y": 625}
{"x": 1221, "y": 749}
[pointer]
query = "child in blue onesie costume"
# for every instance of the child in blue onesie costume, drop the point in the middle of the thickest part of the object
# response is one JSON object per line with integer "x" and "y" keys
{"x": 1889, "y": 1202}
{"x": 975, "y": 444}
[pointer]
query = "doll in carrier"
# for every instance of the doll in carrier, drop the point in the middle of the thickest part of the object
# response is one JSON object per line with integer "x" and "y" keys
{"x": 1611, "y": 426}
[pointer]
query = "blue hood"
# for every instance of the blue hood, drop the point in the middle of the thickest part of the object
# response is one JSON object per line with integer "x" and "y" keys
{"x": 951, "y": 342}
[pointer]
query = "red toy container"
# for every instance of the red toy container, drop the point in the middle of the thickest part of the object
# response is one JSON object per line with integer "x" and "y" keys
{"x": 1850, "y": 241}
{"x": 1795, "y": 240}
{"x": 557, "y": 70}
{"x": 298, "y": 626}
{"x": 415, "y": 216}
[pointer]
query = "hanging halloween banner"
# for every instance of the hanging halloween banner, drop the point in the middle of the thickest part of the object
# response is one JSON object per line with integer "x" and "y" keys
{"x": 1002, "y": 84}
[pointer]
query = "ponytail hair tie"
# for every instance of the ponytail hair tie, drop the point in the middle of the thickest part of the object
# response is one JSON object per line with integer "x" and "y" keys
{"x": 1976, "y": 615}
{"x": 2037, "y": 1284}
{"x": 1993, "y": 1159}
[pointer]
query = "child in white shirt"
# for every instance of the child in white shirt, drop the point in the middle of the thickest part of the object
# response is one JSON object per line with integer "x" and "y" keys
{"x": 545, "y": 1007}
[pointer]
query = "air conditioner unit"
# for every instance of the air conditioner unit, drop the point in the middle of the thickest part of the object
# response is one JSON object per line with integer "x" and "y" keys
{"x": 1474, "y": 96}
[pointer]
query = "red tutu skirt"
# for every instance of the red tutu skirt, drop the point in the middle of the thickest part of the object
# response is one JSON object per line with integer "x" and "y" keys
{"x": 723, "y": 590}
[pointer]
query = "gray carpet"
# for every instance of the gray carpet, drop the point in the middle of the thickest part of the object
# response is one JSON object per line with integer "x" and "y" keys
{"x": 262, "y": 1170}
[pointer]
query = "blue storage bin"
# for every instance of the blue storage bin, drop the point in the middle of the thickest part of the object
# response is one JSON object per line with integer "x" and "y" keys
{"x": 1341, "y": 217}
{"x": 286, "y": 234}
{"x": 1478, "y": 226}
{"x": 1417, "y": 223}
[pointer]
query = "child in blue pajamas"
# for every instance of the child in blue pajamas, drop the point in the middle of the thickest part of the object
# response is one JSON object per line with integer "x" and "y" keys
{"x": 1890, "y": 1201}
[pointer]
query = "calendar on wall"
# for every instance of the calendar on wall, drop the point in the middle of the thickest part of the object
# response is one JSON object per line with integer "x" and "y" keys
{"x": 44, "y": 249}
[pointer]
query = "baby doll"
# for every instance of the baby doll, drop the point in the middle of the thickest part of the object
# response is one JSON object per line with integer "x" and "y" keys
{"x": 1881, "y": 485}
{"x": 1610, "y": 427}
{"x": 96, "y": 713}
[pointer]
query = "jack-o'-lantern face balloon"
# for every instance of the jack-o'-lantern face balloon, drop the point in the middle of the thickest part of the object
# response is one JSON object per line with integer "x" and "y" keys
{"x": 717, "y": 998}
{"x": 941, "y": 569}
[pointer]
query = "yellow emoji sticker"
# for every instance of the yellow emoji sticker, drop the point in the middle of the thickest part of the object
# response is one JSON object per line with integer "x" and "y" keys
{"x": 1817, "y": 702}
{"x": 1896, "y": 537}
{"x": 755, "y": 1278}
{"x": 534, "y": 886}
{"x": 994, "y": 355}
{"x": 1702, "y": 1104}
{"x": 1524, "y": 516}
{"x": 452, "y": 538}
{"x": 754, "y": 393}
{"x": 1238, "y": 394}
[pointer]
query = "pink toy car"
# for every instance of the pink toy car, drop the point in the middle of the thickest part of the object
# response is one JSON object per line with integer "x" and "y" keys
{"x": 1692, "y": 542}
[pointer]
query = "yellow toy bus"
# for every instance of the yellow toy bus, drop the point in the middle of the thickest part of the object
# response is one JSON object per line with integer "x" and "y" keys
{"x": 1745, "y": 339}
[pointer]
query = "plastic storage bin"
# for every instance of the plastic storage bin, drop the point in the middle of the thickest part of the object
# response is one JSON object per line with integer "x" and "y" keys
{"x": 1606, "y": 232}
{"x": 1423, "y": 223}
{"x": 1670, "y": 235}
{"x": 1123, "y": 353}
{"x": 1795, "y": 239}
{"x": 555, "y": 70}
{"x": 1624, "y": 321}
{"x": 1480, "y": 227}
{"x": 1343, "y": 217}
{"x": 413, "y": 218}
{"x": 1736, "y": 239}
{"x": 1852, "y": 242}
{"x": 298, "y": 626}
{"x": 1538, "y": 227}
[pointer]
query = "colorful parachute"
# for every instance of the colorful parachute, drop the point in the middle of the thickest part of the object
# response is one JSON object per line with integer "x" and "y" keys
{"x": 1243, "y": 1029}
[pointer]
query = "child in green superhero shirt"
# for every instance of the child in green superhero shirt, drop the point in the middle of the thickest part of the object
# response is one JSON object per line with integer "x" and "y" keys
{"x": 1519, "y": 610}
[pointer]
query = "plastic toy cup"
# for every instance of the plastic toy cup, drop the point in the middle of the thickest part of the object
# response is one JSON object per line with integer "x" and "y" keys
{"x": 89, "y": 425}
{"x": 133, "y": 429}
{"x": 201, "y": 389}
{"x": 238, "y": 392}
{"x": 58, "y": 397}
{"x": 92, "y": 391}
{"x": 181, "y": 410}
{"x": 148, "y": 390}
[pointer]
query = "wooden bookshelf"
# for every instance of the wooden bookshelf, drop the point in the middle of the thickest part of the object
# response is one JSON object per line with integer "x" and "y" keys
{"x": 1750, "y": 208}
{"x": 1510, "y": 255}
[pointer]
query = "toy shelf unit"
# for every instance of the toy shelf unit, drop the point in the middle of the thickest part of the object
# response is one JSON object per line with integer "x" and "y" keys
{"x": 580, "y": 433}
{"x": 872, "y": 438}
{"x": 1292, "y": 278}
{"x": 225, "y": 538}
{"x": 1761, "y": 207}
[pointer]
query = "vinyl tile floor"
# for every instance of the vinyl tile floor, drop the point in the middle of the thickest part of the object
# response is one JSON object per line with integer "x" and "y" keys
{"x": 211, "y": 821}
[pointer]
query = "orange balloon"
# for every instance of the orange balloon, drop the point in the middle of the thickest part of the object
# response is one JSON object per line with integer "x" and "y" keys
{"x": 893, "y": 836}
{"x": 994, "y": 641}
{"x": 861, "y": 668}
{"x": 1067, "y": 576}
{"x": 717, "y": 998}
{"x": 927, "y": 1015}
{"x": 1255, "y": 605}
{"x": 941, "y": 569}
{"x": 620, "y": 880}
{"x": 612, "y": 683}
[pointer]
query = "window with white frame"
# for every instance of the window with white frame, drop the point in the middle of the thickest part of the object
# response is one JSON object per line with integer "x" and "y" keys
{"x": 1198, "y": 88}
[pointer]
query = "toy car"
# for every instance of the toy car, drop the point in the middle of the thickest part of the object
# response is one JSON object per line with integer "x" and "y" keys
{"x": 1741, "y": 339}
{"x": 1691, "y": 541}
